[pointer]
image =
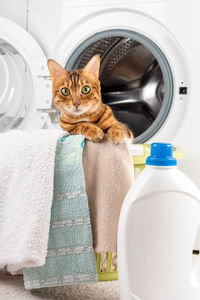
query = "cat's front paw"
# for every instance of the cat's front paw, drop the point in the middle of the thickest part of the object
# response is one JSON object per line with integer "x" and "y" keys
{"x": 116, "y": 135}
{"x": 94, "y": 134}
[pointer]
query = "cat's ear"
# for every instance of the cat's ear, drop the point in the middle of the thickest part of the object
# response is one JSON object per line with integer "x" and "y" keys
{"x": 55, "y": 69}
{"x": 93, "y": 65}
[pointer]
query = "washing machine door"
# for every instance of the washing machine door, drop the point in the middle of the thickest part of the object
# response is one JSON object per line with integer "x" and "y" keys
{"x": 23, "y": 72}
{"x": 144, "y": 73}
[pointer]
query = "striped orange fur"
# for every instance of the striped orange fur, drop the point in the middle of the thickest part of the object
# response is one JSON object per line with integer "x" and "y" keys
{"x": 77, "y": 94}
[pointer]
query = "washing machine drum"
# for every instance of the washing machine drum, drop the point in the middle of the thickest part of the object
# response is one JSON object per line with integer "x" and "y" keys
{"x": 15, "y": 87}
{"x": 136, "y": 80}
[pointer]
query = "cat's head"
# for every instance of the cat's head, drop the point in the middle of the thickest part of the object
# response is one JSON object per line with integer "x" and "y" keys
{"x": 76, "y": 92}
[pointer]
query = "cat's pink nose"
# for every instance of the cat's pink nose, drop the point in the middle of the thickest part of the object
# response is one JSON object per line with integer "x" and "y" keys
{"x": 76, "y": 104}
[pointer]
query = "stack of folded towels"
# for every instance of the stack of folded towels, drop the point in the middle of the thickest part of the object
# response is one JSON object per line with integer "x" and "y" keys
{"x": 60, "y": 199}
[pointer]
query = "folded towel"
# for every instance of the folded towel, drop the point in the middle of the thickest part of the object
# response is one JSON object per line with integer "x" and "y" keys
{"x": 109, "y": 173}
{"x": 26, "y": 192}
{"x": 70, "y": 258}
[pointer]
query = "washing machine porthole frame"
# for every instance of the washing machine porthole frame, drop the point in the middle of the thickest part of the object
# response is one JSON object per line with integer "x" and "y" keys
{"x": 74, "y": 60}
{"x": 35, "y": 62}
{"x": 135, "y": 21}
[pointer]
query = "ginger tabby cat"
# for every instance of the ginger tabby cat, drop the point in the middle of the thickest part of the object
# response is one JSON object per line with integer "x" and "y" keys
{"x": 77, "y": 94}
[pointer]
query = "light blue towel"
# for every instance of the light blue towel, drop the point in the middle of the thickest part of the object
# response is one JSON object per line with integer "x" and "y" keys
{"x": 70, "y": 258}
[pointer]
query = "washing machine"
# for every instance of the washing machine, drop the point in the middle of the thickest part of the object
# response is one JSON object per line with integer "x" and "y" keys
{"x": 149, "y": 64}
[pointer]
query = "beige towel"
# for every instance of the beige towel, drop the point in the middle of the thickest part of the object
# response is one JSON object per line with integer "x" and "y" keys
{"x": 109, "y": 173}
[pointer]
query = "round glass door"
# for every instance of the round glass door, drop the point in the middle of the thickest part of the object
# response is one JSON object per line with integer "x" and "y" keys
{"x": 136, "y": 80}
{"x": 15, "y": 87}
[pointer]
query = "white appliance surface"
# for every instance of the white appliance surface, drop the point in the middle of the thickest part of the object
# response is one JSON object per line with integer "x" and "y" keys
{"x": 184, "y": 22}
{"x": 15, "y": 10}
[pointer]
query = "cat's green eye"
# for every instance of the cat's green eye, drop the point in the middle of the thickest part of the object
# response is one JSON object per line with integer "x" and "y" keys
{"x": 86, "y": 89}
{"x": 65, "y": 91}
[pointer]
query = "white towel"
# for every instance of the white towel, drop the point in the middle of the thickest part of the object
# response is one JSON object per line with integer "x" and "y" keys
{"x": 26, "y": 192}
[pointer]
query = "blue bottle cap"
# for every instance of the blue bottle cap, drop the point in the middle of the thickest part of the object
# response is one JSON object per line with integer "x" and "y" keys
{"x": 161, "y": 155}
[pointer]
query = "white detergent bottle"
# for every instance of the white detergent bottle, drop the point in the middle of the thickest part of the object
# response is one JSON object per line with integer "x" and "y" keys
{"x": 158, "y": 225}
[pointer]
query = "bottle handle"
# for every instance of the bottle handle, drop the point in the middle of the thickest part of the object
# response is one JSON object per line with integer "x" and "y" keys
{"x": 195, "y": 272}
